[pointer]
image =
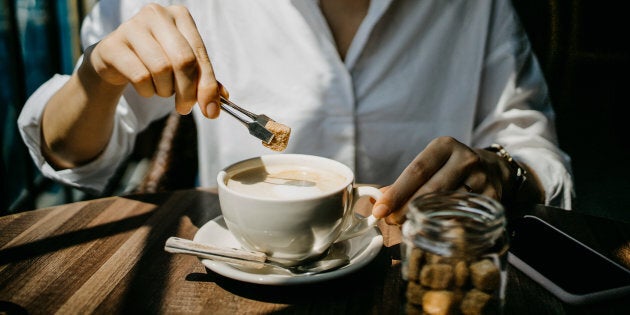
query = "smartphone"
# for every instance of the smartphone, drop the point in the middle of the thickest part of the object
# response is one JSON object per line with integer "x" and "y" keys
{"x": 572, "y": 271}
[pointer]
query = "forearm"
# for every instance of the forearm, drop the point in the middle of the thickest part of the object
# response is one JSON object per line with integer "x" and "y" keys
{"x": 78, "y": 120}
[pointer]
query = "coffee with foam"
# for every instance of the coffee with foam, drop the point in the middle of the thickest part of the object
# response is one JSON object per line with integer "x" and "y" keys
{"x": 292, "y": 207}
{"x": 285, "y": 182}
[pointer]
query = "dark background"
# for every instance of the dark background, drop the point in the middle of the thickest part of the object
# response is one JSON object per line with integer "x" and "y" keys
{"x": 583, "y": 48}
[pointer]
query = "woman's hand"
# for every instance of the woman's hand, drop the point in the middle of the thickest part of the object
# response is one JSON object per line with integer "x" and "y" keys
{"x": 160, "y": 52}
{"x": 445, "y": 164}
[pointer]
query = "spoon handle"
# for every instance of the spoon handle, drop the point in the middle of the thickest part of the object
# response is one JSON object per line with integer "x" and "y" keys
{"x": 242, "y": 257}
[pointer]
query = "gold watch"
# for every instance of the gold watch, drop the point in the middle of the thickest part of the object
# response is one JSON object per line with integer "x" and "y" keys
{"x": 520, "y": 174}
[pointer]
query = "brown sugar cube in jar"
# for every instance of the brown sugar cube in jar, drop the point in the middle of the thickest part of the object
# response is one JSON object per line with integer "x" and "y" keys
{"x": 436, "y": 276}
{"x": 458, "y": 295}
{"x": 474, "y": 302}
{"x": 414, "y": 263}
{"x": 437, "y": 259}
{"x": 281, "y": 134}
{"x": 485, "y": 275}
{"x": 461, "y": 273}
{"x": 439, "y": 302}
{"x": 414, "y": 293}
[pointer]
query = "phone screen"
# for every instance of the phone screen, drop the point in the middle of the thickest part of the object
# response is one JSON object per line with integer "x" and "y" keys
{"x": 572, "y": 268}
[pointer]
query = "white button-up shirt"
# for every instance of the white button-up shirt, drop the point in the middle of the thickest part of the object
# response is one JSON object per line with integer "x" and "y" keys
{"x": 415, "y": 70}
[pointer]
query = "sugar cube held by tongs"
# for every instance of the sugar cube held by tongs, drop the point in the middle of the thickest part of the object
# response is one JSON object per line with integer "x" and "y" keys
{"x": 273, "y": 135}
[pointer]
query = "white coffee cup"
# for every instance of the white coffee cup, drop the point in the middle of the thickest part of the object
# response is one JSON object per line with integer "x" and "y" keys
{"x": 293, "y": 207}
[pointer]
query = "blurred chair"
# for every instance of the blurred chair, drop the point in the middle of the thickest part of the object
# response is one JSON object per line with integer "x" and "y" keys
{"x": 174, "y": 162}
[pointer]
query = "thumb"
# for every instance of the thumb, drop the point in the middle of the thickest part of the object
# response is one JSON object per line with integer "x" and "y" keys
{"x": 385, "y": 208}
{"x": 382, "y": 207}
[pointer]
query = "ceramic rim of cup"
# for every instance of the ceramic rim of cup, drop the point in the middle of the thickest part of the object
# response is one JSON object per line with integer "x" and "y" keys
{"x": 289, "y": 159}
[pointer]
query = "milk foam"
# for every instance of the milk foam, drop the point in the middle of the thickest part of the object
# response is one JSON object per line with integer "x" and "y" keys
{"x": 285, "y": 182}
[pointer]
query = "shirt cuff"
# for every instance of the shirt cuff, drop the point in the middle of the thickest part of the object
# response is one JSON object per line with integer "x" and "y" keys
{"x": 554, "y": 176}
{"x": 92, "y": 177}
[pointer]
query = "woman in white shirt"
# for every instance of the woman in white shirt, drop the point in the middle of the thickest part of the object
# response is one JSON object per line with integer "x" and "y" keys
{"x": 407, "y": 93}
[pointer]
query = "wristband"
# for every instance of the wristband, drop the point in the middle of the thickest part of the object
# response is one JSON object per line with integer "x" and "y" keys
{"x": 520, "y": 174}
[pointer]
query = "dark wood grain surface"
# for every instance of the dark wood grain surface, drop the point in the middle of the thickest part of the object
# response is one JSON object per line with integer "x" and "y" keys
{"x": 106, "y": 256}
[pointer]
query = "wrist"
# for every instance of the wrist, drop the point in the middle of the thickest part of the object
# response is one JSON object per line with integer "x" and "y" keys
{"x": 518, "y": 174}
{"x": 92, "y": 81}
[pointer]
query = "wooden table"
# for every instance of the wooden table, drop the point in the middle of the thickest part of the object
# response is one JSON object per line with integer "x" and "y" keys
{"x": 106, "y": 256}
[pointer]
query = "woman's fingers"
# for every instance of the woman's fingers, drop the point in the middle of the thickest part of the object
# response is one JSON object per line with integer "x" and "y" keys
{"x": 208, "y": 89}
{"x": 413, "y": 178}
{"x": 165, "y": 29}
{"x": 445, "y": 164}
{"x": 147, "y": 47}
{"x": 159, "y": 51}
{"x": 119, "y": 65}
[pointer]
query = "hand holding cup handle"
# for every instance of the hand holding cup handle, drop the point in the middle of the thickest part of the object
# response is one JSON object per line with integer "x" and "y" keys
{"x": 357, "y": 225}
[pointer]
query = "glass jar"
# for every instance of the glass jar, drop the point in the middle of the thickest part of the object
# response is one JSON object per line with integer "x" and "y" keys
{"x": 454, "y": 254}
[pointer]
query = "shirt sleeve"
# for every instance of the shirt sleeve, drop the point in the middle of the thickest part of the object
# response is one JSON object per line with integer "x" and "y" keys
{"x": 516, "y": 110}
{"x": 133, "y": 114}
{"x": 92, "y": 177}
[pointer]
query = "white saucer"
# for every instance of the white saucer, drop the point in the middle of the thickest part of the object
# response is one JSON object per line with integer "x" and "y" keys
{"x": 361, "y": 250}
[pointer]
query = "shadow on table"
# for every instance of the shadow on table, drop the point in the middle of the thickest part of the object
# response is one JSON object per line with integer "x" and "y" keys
{"x": 58, "y": 242}
{"x": 195, "y": 207}
{"x": 354, "y": 293}
{"x": 11, "y": 308}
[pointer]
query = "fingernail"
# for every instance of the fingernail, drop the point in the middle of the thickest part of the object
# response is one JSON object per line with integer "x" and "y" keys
{"x": 224, "y": 91}
{"x": 183, "y": 109}
{"x": 380, "y": 211}
{"x": 211, "y": 110}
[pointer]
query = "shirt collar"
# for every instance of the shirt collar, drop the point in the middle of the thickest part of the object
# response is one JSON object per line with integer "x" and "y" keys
{"x": 312, "y": 14}
{"x": 375, "y": 12}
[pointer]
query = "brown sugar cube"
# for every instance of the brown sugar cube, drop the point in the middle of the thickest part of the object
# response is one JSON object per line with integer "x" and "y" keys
{"x": 438, "y": 302}
{"x": 485, "y": 275}
{"x": 436, "y": 276}
{"x": 461, "y": 273}
{"x": 437, "y": 259}
{"x": 474, "y": 302}
{"x": 414, "y": 293}
{"x": 281, "y": 135}
{"x": 414, "y": 263}
{"x": 458, "y": 295}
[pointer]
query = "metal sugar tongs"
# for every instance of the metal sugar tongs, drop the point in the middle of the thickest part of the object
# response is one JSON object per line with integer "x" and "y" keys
{"x": 256, "y": 127}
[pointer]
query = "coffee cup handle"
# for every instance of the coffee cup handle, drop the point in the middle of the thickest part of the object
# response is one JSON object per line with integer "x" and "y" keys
{"x": 358, "y": 225}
